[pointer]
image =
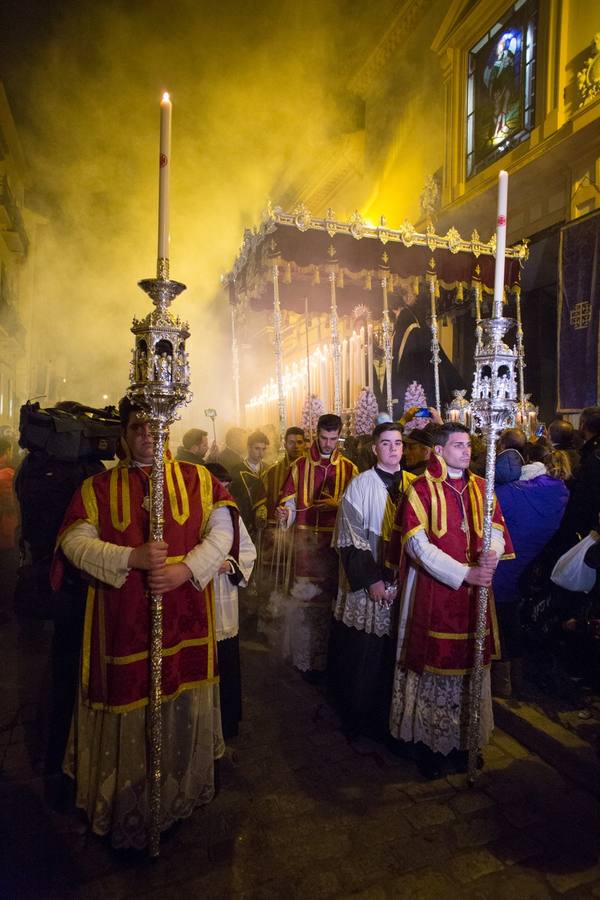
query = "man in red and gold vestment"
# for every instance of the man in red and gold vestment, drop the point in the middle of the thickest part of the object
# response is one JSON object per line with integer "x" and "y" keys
{"x": 309, "y": 500}
{"x": 438, "y": 536}
{"x": 294, "y": 444}
{"x": 105, "y": 534}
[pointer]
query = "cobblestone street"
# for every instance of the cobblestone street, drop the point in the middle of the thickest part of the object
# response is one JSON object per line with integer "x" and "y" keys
{"x": 304, "y": 814}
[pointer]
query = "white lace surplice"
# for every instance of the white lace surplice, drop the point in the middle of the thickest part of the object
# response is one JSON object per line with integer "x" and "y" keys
{"x": 107, "y": 754}
{"x": 360, "y": 522}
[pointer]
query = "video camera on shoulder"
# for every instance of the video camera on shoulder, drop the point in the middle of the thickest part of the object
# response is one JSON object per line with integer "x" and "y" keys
{"x": 70, "y": 431}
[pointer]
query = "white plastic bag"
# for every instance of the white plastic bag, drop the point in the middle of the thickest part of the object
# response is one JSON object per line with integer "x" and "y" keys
{"x": 570, "y": 571}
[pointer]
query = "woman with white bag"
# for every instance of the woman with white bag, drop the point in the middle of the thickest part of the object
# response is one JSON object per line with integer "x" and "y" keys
{"x": 577, "y": 570}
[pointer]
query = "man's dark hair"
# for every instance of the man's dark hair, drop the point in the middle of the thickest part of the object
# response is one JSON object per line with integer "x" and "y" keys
{"x": 386, "y": 426}
{"x": 258, "y": 437}
{"x": 443, "y": 432}
{"x": 513, "y": 439}
{"x": 536, "y": 451}
{"x": 126, "y": 407}
{"x": 590, "y": 419}
{"x": 561, "y": 432}
{"x": 192, "y": 437}
{"x": 329, "y": 422}
{"x": 232, "y": 434}
{"x": 294, "y": 429}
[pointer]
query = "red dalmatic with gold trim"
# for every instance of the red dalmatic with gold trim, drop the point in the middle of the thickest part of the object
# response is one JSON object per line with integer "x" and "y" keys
{"x": 273, "y": 481}
{"x": 316, "y": 483}
{"x": 115, "y": 659}
{"x": 442, "y": 623}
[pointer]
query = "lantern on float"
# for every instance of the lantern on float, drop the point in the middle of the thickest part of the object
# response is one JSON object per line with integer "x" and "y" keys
{"x": 459, "y": 409}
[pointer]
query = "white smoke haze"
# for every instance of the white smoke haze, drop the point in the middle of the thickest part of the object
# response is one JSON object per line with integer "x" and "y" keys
{"x": 254, "y": 90}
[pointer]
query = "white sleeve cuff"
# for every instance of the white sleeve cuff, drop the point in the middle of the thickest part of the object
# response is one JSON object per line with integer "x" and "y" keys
{"x": 436, "y": 562}
{"x": 102, "y": 560}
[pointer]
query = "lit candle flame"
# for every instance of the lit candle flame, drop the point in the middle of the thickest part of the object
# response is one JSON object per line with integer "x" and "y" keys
{"x": 166, "y": 97}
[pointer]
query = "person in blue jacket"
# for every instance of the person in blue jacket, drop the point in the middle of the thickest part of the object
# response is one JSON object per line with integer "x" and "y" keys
{"x": 533, "y": 496}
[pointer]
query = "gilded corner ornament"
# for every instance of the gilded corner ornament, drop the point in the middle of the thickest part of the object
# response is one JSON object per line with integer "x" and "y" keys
{"x": 588, "y": 78}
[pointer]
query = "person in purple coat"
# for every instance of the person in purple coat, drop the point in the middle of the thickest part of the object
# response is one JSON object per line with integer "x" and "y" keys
{"x": 533, "y": 496}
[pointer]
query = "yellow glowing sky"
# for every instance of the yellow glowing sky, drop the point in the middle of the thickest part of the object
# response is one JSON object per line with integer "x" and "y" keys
{"x": 257, "y": 89}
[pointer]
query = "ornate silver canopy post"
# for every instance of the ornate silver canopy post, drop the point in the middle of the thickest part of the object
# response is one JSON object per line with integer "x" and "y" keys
{"x": 387, "y": 347}
{"x": 159, "y": 384}
{"x": 435, "y": 344}
{"x": 335, "y": 349}
{"x": 478, "y": 291}
{"x": 521, "y": 358}
{"x": 494, "y": 405}
{"x": 278, "y": 345}
{"x": 308, "y": 384}
{"x": 235, "y": 364}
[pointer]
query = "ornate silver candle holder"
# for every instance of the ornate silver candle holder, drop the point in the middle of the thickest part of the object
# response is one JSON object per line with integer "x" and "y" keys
{"x": 159, "y": 380}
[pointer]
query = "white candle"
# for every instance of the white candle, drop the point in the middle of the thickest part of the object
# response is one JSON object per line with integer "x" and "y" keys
{"x": 500, "y": 243}
{"x": 164, "y": 172}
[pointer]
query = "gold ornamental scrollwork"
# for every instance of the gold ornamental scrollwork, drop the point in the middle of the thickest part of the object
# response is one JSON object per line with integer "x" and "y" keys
{"x": 454, "y": 240}
{"x": 407, "y": 233}
{"x": 357, "y": 225}
{"x": 431, "y": 241}
{"x": 302, "y": 217}
{"x": 588, "y": 78}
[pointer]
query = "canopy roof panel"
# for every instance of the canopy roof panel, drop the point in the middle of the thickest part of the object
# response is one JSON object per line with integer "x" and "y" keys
{"x": 306, "y": 250}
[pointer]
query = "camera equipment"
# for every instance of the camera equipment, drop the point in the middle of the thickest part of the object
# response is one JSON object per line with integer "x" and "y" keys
{"x": 70, "y": 430}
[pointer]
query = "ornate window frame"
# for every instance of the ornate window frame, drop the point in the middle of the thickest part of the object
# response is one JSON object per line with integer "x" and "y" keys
{"x": 519, "y": 24}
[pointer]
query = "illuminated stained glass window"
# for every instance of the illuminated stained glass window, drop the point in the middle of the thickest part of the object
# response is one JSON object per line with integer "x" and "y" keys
{"x": 501, "y": 87}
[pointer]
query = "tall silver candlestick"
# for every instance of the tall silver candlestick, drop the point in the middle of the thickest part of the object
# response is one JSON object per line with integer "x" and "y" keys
{"x": 278, "y": 346}
{"x": 494, "y": 407}
{"x": 159, "y": 384}
{"x": 335, "y": 349}
{"x": 435, "y": 342}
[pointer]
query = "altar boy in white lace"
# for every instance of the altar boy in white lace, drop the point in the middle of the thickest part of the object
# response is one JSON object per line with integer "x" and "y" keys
{"x": 362, "y": 647}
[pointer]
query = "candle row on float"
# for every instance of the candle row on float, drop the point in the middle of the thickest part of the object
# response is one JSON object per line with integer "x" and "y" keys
{"x": 356, "y": 372}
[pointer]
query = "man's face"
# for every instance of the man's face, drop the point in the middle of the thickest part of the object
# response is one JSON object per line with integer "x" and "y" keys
{"x": 203, "y": 446}
{"x": 294, "y": 445}
{"x": 327, "y": 441}
{"x": 256, "y": 452}
{"x": 388, "y": 449}
{"x": 415, "y": 453}
{"x": 457, "y": 451}
{"x": 139, "y": 439}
